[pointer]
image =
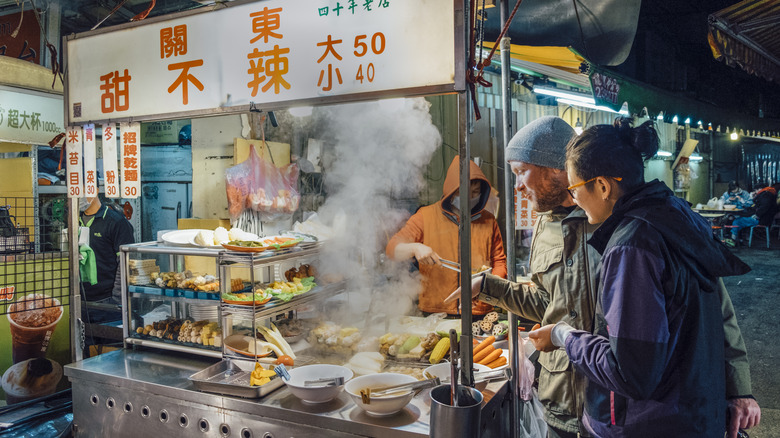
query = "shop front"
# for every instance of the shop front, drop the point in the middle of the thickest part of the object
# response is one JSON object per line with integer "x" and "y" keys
{"x": 34, "y": 265}
{"x": 297, "y": 275}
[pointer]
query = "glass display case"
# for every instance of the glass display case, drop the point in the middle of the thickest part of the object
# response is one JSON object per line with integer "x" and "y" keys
{"x": 193, "y": 299}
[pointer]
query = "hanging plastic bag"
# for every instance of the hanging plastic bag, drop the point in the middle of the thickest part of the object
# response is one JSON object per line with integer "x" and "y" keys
{"x": 258, "y": 185}
{"x": 531, "y": 423}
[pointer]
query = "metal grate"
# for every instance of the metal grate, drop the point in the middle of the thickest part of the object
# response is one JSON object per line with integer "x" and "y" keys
{"x": 34, "y": 275}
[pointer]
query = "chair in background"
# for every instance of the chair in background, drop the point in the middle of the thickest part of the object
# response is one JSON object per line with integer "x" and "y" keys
{"x": 776, "y": 224}
{"x": 760, "y": 227}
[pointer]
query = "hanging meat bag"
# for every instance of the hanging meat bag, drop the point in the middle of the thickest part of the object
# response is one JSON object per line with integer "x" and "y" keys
{"x": 258, "y": 185}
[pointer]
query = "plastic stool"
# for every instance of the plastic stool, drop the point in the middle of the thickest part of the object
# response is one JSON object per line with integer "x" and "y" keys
{"x": 762, "y": 227}
{"x": 719, "y": 230}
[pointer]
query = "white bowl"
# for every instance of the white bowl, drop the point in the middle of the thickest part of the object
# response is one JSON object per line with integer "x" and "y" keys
{"x": 380, "y": 406}
{"x": 316, "y": 394}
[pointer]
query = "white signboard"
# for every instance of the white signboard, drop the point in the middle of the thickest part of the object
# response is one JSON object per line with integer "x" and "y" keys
{"x": 74, "y": 156}
{"x": 90, "y": 162}
{"x": 29, "y": 117}
{"x": 110, "y": 167}
{"x": 525, "y": 218}
{"x": 131, "y": 159}
{"x": 262, "y": 52}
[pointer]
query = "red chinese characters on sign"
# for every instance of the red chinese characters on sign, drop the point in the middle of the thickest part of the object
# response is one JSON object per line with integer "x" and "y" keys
{"x": 116, "y": 92}
{"x": 74, "y": 151}
{"x": 329, "y": 50}
{"x": 130, "y": 161}
{"x": 269, "y": 65}
{"x": 363, "y": 46}
{"x": 173, "y": 42}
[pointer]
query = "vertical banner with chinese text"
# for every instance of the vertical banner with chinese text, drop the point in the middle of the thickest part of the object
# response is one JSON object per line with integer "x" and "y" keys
{"x": 73, "y": 149}
{"x": 131, "y": 159}
{"x": 525, "y": 218}
{"x": 90, "y": 162}
{"x": 110, "y": 167}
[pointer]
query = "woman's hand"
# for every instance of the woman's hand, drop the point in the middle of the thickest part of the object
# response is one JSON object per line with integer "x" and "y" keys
{"x": 476, "y": 287}
{"x": 541, "y": 337}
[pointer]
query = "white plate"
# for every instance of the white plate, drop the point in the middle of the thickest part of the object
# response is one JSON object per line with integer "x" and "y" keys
{"x": 179, "y": 237}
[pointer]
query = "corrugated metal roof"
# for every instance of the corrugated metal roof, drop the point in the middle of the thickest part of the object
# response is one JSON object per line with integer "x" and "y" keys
{"x": 746, "y": 35}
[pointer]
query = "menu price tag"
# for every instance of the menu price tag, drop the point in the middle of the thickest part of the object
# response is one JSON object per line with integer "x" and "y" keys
{"x": 131, "y": 159}
{"x": 525, "y": 217}
{"x": 74, "y": 152}
{"x": 90, "y": 162}
{"x": 110, "y": 165}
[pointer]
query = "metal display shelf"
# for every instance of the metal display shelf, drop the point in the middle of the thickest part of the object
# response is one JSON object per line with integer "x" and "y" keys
{"x": 275, "y": 307}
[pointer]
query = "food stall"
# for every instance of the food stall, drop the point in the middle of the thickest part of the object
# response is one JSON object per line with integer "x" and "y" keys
{"x": 34, "y": 271}
{"x": 186, "y": 363}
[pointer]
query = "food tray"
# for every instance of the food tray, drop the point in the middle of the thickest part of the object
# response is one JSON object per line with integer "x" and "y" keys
{"x": 228, "y": 377}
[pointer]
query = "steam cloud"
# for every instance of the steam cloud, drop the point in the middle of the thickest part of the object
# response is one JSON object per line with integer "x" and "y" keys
{"x": 378, "y": 153}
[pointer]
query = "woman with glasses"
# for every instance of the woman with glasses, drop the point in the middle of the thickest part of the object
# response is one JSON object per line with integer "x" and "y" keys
{"x": 655, "y": 360}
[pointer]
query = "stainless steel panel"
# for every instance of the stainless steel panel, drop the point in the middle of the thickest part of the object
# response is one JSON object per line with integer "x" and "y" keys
{"x": 105, "y": 385}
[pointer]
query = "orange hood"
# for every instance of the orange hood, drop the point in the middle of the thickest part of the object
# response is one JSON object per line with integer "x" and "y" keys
{"x": 452, "y": 183}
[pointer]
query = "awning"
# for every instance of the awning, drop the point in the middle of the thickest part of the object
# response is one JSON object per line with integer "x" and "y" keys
{"x": 612, "y": 90}
{"x": 559, "y": 57}
{"x": 746, "y": 35}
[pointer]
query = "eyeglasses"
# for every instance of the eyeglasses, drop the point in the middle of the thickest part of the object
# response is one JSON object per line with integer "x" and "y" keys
{"x": 582, "y": 183}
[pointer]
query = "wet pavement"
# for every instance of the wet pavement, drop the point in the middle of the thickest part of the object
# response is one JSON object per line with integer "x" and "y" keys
{"x": 756, "y": 298}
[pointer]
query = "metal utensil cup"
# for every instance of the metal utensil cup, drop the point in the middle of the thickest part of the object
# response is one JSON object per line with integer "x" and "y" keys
{"x": 462, "y": 420}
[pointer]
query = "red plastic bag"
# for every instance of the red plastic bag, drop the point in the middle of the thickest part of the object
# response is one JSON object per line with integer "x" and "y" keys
{"x": 260, "y": 186}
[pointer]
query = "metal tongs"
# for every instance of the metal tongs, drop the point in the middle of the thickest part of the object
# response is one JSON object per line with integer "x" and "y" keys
{"x": 449, "y": 264}
{"x": 367, "y": 393}
{"x": 323, "y": 382}
{"x": 454, "y": 354}
{"x": 493, "y": 375}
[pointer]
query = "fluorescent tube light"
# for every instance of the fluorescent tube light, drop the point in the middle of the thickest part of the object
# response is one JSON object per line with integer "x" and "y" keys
{"x": 696, "y": 158}
{"x": 591, "y": 106}
{"x": 570, "y": 95}
{"x": 663, "y": 154}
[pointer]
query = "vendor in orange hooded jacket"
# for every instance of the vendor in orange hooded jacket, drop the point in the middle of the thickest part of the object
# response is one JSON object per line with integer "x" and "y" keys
{"x": 432, "y": 233}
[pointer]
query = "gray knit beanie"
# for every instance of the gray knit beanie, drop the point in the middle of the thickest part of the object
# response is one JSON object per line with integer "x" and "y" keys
{"x": 541, "y": 142}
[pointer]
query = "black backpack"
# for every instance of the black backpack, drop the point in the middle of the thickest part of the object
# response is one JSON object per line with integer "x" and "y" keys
{"x": 7, "y": 225}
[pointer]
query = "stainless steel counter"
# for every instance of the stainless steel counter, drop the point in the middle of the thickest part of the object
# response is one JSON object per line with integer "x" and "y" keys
{"x": 131, "y": 393}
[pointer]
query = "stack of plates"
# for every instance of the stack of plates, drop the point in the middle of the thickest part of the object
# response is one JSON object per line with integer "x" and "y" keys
{"x": 203, "y": 312}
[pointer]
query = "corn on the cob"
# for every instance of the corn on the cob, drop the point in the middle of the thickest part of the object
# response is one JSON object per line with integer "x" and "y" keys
{"x": 441, "y": 348}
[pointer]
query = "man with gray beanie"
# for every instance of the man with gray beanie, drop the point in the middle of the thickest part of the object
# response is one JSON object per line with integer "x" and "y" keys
{"x": 564, "y": 275}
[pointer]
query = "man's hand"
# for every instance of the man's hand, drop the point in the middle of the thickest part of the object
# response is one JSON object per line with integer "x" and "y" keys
{"x": 425, "y": 255}
{"x": 541, "y": 337}
{"x": 745, "y": 413}
{"x": 476, "y": 287}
